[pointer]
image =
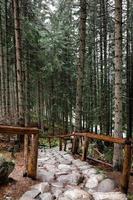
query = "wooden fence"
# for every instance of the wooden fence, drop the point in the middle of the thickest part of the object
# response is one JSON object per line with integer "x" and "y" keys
{"x": 87, "y": 136}
{"x": 127, "y": 153}
{"x": 30, "y": 151}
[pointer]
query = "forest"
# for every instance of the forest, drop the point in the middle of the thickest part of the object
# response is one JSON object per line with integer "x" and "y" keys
{"x": 66, "y": 66}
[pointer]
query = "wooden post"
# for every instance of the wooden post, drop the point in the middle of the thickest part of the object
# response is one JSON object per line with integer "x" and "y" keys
{"x": 60, "y": 144}
{"x": 126, "y": 168}
{"x": 49, "y": 140}
{"x": 85, "y": 149}
{"x": 65, "y": 143}
{"x": 26, "y": 151}
{"x": 32, "y": 164}
{"x": 74, "y": 146}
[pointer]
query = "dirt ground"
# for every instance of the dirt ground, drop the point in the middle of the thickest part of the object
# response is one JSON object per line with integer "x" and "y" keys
{"x": 17, "y": 184}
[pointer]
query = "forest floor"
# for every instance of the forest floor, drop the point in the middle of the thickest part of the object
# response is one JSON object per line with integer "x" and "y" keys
{"x": 19, "y": 184}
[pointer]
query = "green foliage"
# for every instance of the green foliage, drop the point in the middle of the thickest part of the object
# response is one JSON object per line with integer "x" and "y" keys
{"x": 108, "y": 154}
{"x": 45, "y": 143}
{"x": 130, "y": 197}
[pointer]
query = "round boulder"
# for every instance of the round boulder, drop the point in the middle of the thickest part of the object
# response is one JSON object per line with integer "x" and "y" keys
{"x": 6, "y": 167}
{"x": 107, "y": 185}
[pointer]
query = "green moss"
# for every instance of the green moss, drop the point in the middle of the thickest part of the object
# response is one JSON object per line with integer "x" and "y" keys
{"x": 130, "y": 197}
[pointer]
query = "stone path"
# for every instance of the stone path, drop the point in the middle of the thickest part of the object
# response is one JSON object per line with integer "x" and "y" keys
{"x": 64, "y": 178}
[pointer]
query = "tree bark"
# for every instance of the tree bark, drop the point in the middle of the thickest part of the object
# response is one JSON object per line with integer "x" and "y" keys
{"x": 117, "y": 156}
{"x": 18, "y": 48}
{"x": 80, "y": 75}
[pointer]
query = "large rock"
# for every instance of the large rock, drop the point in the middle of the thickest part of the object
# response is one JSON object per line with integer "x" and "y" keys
{"x": 57, "y": 185}
{"x": 50, "y": 167}
{"x": 107, "y": 185}
{"x": 84, "y": 167}
{"x": 66, "y": 162}
{"x": 69, "y": 157}
{"x": 89, "y": 172}
{"x": 78, "y": 162}
{"x": 46, "y": 196}
{"x": 64, "y": 167}
{"x": 45, "y": 176}
{"x": 74, "y": 179}
{"x": 77, "y": 194}
{"x": 63, "y": 198}
{"x": 56, "y": 192}
{"x": 42, "y": 187}
{"x": 109, "y": 196}
{"x": 6, "y": 167}
{"x": 91, "y": 183}
{"x": 30, "y": 195}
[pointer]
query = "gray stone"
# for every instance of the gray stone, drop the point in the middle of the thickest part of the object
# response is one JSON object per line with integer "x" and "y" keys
{"x": 89, "y": 172}
{"x": 56, "y": 192}
{"x": 45, "y": 176}
{"x": 63, "y": 167}
{"x": 84, "y": 167}
{"x": 26, "y": 198}
{"x": 66, "y": 162}
{"x": 109, "y": 196}
{"x": 77, "y": 194}
{"x": 107, "y": 185}
{"x": 43, "y": 159}
{"x": 99, "y": 177}
{"x": 57, "y": 174}
{"x": 78, "y": 162}
{"x": 63, "y": 198}
{"x": 91, "y": 183}
{"x": 6, "y": 167}
{"x": 29, "y": 195}
{"x": 69, "y": 157}
{"x": 50, "y": 167}
{"x": 74, "y": 179}
{"x": 46, "y": 196}
{"x": 57, "y": 185}
{"x": 42, "y": 187}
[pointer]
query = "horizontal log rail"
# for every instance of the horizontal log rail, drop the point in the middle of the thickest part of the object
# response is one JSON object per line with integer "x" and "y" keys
{"x": 30, "y": 146}
{"x": 18, "y": 130}
{"x": 102, "y": 137}
{"x": 127, "y": 153}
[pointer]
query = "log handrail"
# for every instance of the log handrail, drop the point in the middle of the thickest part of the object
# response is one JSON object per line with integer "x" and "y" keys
{"x": 30, "y": 157}
{"x": 127, "y": 157}
{"x": 18, "y": 130}
{"x": 102, "y": 137}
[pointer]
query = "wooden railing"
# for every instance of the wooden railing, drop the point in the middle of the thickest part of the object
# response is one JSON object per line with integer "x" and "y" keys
{"x": 30, "y": 146}
{"x": 62, "y": 139}
{"x": 92, "y": 136}
{"x": 127, "y": 153}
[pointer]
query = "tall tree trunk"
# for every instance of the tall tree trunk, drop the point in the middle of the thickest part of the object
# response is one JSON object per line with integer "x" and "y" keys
{"x": 117, "y": 156}
{"x": 7, "y": 60}
{"x": 18, "y": 48}
{"x": 80, "y": 75}
{"x": 129, "y": 73}
{"x": 2, "y": 67}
